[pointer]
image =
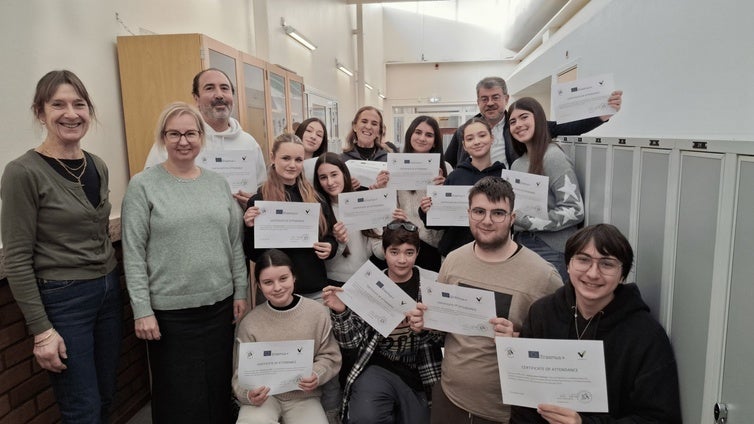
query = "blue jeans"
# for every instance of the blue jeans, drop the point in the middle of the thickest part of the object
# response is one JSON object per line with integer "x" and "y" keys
{"x": 534, "y": 243}
{"x": 87, "y": 315}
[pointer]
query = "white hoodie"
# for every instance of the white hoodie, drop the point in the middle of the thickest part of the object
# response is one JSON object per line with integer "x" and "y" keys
{"x": 234, "y": 138}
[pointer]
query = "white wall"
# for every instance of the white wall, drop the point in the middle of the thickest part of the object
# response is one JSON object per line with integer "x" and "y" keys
{"x": 685, "y": 65}
{"x": 80, "y": 35}
{"x": 454, "y": 82}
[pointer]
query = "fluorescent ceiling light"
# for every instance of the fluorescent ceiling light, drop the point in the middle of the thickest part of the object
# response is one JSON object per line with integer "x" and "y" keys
{"x": 366, "y": 84}
{"x": 293, "y": 33}
{"x": 381, "y": 94}
{"x": 342, "y": 68}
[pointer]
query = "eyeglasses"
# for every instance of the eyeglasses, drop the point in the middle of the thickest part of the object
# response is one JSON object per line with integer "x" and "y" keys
{"x": 608, "y": 267}
{"x": 174, "y": 136}
{"x": 405, "y": 225}
{"x": 496, "y": 215}
{"x": 495, "y": 98}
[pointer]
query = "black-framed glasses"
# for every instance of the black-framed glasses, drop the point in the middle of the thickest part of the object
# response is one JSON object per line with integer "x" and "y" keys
{"x": 174, "y": 136}
{"x": 496, "y": 215}
{"x": 405, "y": 225}
{"x": 609, "y": 267}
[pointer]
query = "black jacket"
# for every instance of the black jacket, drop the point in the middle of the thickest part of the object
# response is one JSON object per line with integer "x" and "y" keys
{"x": 642, "y": 378}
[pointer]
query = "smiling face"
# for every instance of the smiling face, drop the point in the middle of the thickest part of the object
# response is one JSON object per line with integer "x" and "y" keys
{"x": 215, "y": 98}
{"x": 331, "y": 179}
{"x": 276, "y": 283}
{"x": 312, "y": 137}
{"x": 594, "y": 290}
{"x": 186, "y": 147}
{"x": 367, "y": 128}
{"x": 477, "y": 140}
{"x": 66, "y": 116}
{"x": 288, "y": 161}
{"x": 522, "y": 125}
{"x": 423, "y": 138}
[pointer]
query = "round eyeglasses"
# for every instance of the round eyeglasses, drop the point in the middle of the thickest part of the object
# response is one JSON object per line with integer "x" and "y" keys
{"x": 609, "y": 267}
{"x": 496, "y": 215}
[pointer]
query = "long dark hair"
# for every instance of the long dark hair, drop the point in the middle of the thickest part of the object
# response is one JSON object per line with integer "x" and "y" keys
{"x": 436, "y": 146}
{"x": 334, "y": 159}
{"x": 302, "y": 129}
{"x": 541, "y": 139}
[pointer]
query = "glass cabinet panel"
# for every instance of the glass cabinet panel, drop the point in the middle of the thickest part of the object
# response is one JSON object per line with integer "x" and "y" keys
{"x": 256, "y": 108}
{"x": 278, "y": 103}
{"x": 296, "y": 90}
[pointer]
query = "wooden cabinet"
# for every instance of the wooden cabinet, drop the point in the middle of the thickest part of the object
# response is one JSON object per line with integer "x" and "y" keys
{"x": 156, "y": 70}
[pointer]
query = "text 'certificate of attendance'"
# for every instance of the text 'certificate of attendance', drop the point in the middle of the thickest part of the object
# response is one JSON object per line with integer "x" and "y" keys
{"x": 362, "y": 210}
{"x": 412, "y": 171}
{"x": 286, "y": 224}
{"x": 459, "y": 310}
{"x": 450, "y": 205}
{"x": 376, "y": 299}
{"x": 277, "y": 365}
{"x": 583, "y": 98}
{"x": 568, "y": 373}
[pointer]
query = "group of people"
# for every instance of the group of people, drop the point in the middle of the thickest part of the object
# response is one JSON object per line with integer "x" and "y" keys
{"x": 187, "y": 246}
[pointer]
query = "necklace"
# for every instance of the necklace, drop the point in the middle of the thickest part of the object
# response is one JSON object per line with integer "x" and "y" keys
{"x": 576, "y": 322}
{"x": 70, "y": 170}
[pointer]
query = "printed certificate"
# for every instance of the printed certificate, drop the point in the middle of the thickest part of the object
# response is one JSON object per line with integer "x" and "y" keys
{"x": 277, "y": 365}
{"x": 450, "y": 205}
{"x": 583, "y": 98}
{"x": 531, "y": 192}
{"x": 412, "y": 171}
{"x": 236, "y": 166}
{"x": 286, "y": 224}
{"x": 568, "y": 373}
{"x": 376, "y": 299}
{"x": 365, "y": 171}
{"x": 460, "y": 310}
{"x": 365, "y": 209}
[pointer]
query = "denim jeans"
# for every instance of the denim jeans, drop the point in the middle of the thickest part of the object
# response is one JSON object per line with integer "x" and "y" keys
{"x": 534, "y": 243}
{"x": 87, "y": 315}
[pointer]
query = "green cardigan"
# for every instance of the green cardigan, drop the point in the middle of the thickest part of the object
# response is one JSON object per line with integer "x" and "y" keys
{"x": 182, "y": 242}
{"x": 51, "y": 231}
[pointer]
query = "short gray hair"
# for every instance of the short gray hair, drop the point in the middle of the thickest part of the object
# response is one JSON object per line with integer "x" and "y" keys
{"x": 492, "y": 82}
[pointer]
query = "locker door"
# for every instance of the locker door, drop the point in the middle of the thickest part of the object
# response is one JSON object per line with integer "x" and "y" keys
{"x": 738, "y": 373}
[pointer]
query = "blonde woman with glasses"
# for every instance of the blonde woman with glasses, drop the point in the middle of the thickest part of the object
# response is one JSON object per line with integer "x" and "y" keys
{"x": 186, "y": 274}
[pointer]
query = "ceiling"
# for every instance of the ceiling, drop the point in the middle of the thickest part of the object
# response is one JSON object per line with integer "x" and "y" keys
{"x": 517, "y": 22}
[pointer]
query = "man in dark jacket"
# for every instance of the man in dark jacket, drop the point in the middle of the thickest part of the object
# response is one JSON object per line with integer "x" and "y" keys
{"x": 492, "y": 98}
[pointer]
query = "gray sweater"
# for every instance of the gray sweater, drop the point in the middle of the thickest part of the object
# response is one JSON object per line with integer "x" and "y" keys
{"x": 50, "y": 230}
{"x": 565, "y": 207}
{"x": 182, "y": 242}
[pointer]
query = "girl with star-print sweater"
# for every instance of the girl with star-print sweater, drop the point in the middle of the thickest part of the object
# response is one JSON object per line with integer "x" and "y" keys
{"x": 540, "y": 155}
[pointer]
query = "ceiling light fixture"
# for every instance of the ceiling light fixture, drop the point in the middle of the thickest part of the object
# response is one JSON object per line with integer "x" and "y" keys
{"x": 366, "y": 84}
{"x": 381, "y": 94}
{"x": 342, "y": 68}
{"x": 296, "y": 35}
